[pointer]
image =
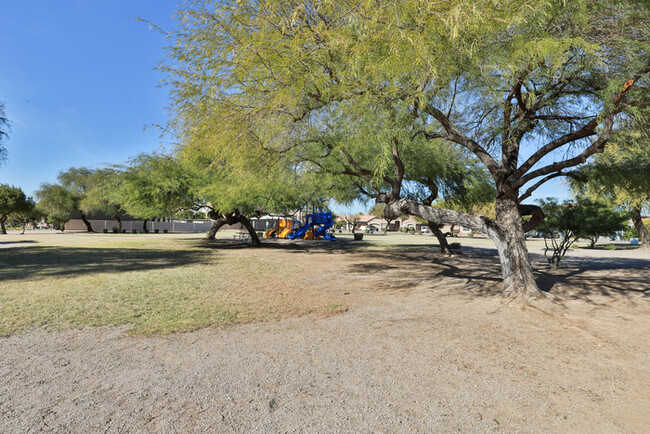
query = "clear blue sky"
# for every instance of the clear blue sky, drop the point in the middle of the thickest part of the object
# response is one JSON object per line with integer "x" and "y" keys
{"x": 80, "y": 86}
{"x": 79, "y": 81}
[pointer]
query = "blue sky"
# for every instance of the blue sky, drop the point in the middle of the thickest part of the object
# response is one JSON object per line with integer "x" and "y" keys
{"x": 79, "y": 82}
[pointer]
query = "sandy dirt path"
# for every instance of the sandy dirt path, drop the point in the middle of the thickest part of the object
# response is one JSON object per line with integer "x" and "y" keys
{"x": 425, "y": 347}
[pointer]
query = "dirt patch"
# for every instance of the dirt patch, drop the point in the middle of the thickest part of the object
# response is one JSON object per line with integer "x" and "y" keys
{"x": 427, "y": 345}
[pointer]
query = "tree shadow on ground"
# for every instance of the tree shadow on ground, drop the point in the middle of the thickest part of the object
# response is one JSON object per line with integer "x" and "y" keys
{"x": 476, "y": 271}
{"x": 9, "y": 243}
{"x": 582, "y": 278}
{"x": 41, "y": 262}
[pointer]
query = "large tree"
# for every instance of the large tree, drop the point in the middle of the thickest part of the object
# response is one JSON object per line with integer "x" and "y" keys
{"x": 103, "y": 194}
{"x": 78, "y": 180}
{"x": 58, "y": 203}
{"x": 155, "y": 186}
{"x": 12, "y": 201}
{"x": 529, "y": 88}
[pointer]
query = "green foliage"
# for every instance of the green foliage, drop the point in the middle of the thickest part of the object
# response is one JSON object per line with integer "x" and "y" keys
{"x": 13, "y": 202}
{"x": 565, "y": 223}
{"x": 190, "y": 214}
{"x": 103, "y": 193}
{"x": 621, "y": 174}
{"x": 29, "y": 214}
{"x": 57, "y": 202}
{"x": 153, "y": 186}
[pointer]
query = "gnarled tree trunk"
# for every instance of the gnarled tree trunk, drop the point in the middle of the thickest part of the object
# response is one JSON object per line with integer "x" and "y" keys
{"x": 507, "y": 233}
{"x": 89, "y": 227}
{"x": 144, "y": 226}
{"x": 232, "y": 219}
{"x": 510, "y": 241}
{"x": 3, "y": 219}
{"x": 644, "y": 237}
{"x": 442, "y": 239}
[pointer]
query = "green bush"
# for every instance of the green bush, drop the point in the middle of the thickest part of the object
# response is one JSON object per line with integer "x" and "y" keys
{"x": 630, "y": 232}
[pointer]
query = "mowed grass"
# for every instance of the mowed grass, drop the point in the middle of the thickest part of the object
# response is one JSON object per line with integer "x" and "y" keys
{"x": 149, "y": 283}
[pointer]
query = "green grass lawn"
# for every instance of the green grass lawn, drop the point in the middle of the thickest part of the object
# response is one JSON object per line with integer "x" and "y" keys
{"x": 150, "y": 283}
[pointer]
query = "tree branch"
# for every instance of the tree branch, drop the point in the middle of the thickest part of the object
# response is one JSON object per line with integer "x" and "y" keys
{"x": 456, "y": 136}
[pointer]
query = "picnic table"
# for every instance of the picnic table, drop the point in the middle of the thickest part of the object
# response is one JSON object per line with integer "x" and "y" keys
{"x": 242, "y": 236}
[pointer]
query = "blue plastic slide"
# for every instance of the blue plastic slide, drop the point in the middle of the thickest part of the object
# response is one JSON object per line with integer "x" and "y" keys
{"x": 300, "y": 233}
{"x": 322, "y": 231}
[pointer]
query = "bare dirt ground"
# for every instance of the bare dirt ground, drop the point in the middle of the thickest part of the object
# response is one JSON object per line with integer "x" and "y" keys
{"x": 427, "y": 345}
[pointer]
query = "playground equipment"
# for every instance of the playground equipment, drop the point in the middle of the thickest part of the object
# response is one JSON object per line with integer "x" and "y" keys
{"x": 316, "y": 226}
{"x": 281, "y": 231}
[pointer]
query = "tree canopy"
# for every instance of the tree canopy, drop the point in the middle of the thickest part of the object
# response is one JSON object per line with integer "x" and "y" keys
{"x": 58, "y": 203}
{"x": 366, "y": 89}
{"x": 12, "y": 202}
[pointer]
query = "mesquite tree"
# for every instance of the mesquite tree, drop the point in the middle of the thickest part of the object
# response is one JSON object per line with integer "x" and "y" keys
{"x": 103, "y": 194}
{"x": 529, "y": 88}
{"x": 57, "y": 203}
{"x": 155, "y": 186}
{"x": 78, "y": 180}
{"x": 12, "y": 202}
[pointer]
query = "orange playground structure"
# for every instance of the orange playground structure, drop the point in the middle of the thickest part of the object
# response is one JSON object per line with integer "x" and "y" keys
{"x": 282, "y": 231}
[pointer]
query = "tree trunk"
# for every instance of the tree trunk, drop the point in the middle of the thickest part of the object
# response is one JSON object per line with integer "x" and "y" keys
{"x": 593, "y": 241}
{"x": 516, "y": 268}
{"x": 3, "y": 219}
{"x": 119, "y": 223}
{"x": 442, "y": 239}
{"x": 255, "y": 240}
{"x": 507, "y": 234}
{"x": 89, "y": 227}
{"x": 644, "y": 237}
{"x": 232, "y": 219}
{"x": 144, "y": 226}
{"x": 216, "y": 225}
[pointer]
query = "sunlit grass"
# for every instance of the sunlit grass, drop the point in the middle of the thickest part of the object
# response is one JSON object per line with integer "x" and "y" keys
{"x": 151, "y": 284}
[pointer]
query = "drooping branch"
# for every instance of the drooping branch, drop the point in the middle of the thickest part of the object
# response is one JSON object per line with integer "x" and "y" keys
{"x": 478, "y": 223}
